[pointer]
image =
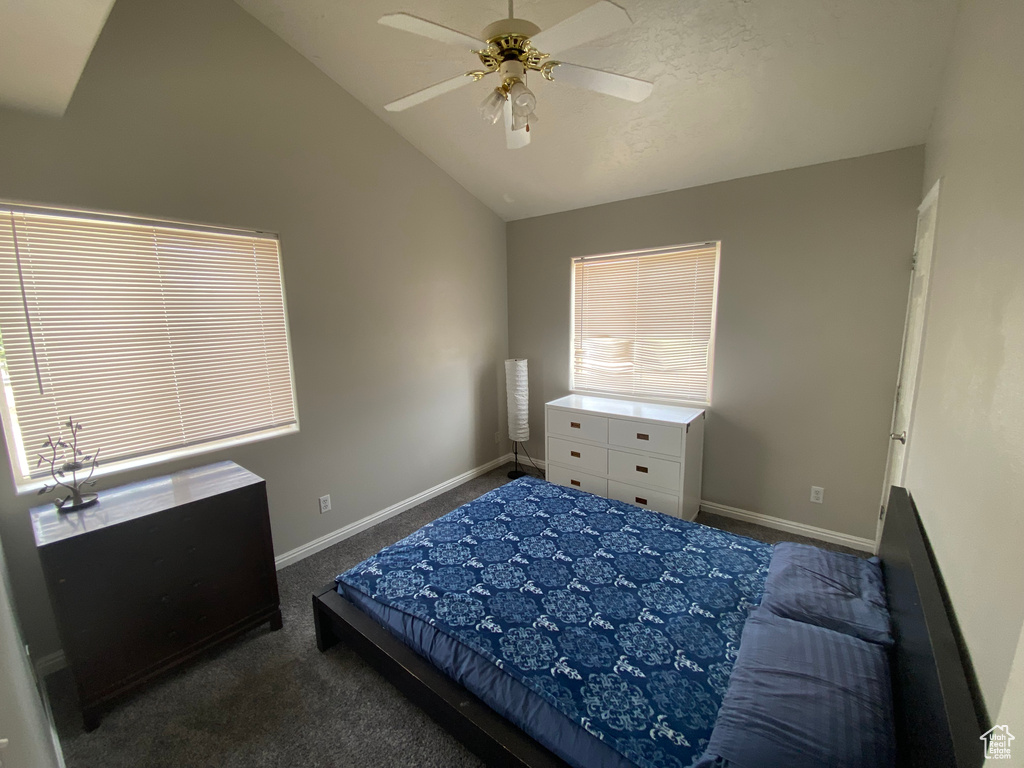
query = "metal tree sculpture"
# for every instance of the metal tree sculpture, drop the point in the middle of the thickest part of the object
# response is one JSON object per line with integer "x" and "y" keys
{"x": 67, "y": 458}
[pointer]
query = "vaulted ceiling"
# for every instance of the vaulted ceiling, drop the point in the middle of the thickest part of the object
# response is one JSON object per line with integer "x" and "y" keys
{"x": 741, "y": 87}
{"x": 44, "y": 45}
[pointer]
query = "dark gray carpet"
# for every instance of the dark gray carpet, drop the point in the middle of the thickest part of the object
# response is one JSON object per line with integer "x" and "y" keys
{"x": 271, "y": 699}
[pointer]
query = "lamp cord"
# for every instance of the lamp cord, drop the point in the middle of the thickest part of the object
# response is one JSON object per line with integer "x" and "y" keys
{"x": 539, "y": 473}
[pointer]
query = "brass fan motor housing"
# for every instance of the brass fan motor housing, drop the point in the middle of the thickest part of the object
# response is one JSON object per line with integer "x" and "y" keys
{"x": 509, "y": 40}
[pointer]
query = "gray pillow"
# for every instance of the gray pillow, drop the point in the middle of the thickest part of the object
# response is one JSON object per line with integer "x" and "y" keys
{"x": 828, "y": 589}
{"x": 802, "y": 696}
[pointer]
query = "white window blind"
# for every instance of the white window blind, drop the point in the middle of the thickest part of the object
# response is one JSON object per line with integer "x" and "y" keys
{"x": 162, "y": 340}
{"x": 644, "y": 323}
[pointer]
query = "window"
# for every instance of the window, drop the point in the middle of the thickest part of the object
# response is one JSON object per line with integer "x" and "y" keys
{"x": 162, "y": 339}
{"x": 644, "y": 323}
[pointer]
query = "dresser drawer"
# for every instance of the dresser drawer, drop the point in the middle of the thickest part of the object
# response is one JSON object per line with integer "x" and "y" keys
{"x": 571, "y": 478}
{"x": 645, "y": 436}
{"x": 644, "y": 497}
{"x": 646, "y": 470}
{"x": 578, "y": 425}
{"x": 588, "y": 458}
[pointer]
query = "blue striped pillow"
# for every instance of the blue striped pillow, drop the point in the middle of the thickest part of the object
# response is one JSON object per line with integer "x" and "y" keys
{"x": 829, "y": 589}
{"x": 802, "y": 696}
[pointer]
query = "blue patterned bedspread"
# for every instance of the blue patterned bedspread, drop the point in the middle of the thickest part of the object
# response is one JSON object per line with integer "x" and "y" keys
{"x": 626, "y": 621}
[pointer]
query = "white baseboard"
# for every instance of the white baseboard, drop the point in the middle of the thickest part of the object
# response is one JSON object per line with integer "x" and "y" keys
{"x": 811, "y": 531}
{"x": 50, "y": 663}
{"x": 300, "y": 553}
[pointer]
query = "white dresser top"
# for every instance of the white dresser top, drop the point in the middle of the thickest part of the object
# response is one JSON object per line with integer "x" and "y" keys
{"x": 607, "y": 406}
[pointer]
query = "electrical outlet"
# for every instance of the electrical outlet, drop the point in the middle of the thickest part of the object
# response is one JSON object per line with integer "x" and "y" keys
{"x": 325, "y": 503}
{"x": 817, "y": 494}
{"x": 497, "y": 438}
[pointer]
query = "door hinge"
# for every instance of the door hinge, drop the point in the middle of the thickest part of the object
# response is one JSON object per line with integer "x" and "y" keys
{"x": 881, "y": 512}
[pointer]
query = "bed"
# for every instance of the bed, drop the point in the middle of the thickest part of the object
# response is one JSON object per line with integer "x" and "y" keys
{"x": 545, "y": 626}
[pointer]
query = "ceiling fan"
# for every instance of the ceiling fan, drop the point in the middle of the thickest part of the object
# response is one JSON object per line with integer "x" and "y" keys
{"x": 512, "y": 47}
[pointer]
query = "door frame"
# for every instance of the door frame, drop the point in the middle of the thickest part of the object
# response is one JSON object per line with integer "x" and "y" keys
{"x": 27, "y": 731}
{"x": 911, "y": 325}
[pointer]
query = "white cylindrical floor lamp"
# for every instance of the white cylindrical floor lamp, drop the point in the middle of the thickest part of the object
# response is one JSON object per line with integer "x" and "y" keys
{"x": 518, "y": 390}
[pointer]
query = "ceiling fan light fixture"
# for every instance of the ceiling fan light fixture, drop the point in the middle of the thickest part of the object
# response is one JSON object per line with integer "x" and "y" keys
{"x": 519, "y": 121}
{"x": 511, "y": 48}
{"x": 491, "y": 106}
{"x": 523, "y": 100}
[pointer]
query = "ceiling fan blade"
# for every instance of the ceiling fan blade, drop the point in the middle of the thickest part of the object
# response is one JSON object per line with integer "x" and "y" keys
{"x": 514, "y": 139}
{"x": 418, "y": 26}
{"x": 431, "y": 91}
{"x": 620, "y": 86}
{"x": 591, "y": 23}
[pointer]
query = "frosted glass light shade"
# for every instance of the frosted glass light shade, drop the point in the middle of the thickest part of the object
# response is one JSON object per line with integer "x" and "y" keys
{"x": 491, "y": 107}
{"x": 518, "y": 391}
{"x": 523, "y": 100}
{"x": 519, "y": 122}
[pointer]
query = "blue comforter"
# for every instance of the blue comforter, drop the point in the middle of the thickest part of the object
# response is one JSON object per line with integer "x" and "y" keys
{"x": 626, "y": 621}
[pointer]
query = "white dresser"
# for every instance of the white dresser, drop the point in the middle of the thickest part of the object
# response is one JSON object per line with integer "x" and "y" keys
{"x": 641, "y": 453}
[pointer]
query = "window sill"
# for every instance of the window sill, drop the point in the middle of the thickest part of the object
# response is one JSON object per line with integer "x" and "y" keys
{"x": 26, "y": 486}
{"x": 641, "y": 399}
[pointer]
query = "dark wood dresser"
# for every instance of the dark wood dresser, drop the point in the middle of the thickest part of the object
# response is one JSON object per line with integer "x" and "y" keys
{"x": 155, "y": 573}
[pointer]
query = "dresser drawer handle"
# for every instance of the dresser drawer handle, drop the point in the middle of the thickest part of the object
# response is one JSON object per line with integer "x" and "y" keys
{"x": 574, "y": 454}
{"x": 165, "y": 599}
{"x": 574, "y": 424}
{"x": 575, "y": 482}
{"x": 642, "y": 436}
{"x": 640, "y": 500}
{"x": 641, "y": 469}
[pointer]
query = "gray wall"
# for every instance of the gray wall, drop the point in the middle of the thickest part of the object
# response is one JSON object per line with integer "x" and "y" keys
{"x": 965, "y": 464}
{"x": 395, "y": 275}
{"x": 812, "y": 294}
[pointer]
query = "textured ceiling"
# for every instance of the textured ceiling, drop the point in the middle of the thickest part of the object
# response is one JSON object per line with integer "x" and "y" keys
{"x": 44, "y": 45}
{"x": 740, "y": 87}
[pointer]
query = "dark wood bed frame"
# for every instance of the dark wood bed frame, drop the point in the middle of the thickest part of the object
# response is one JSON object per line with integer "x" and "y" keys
{"x": 936, "y": 719}
{"x": 937, "y": 722}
